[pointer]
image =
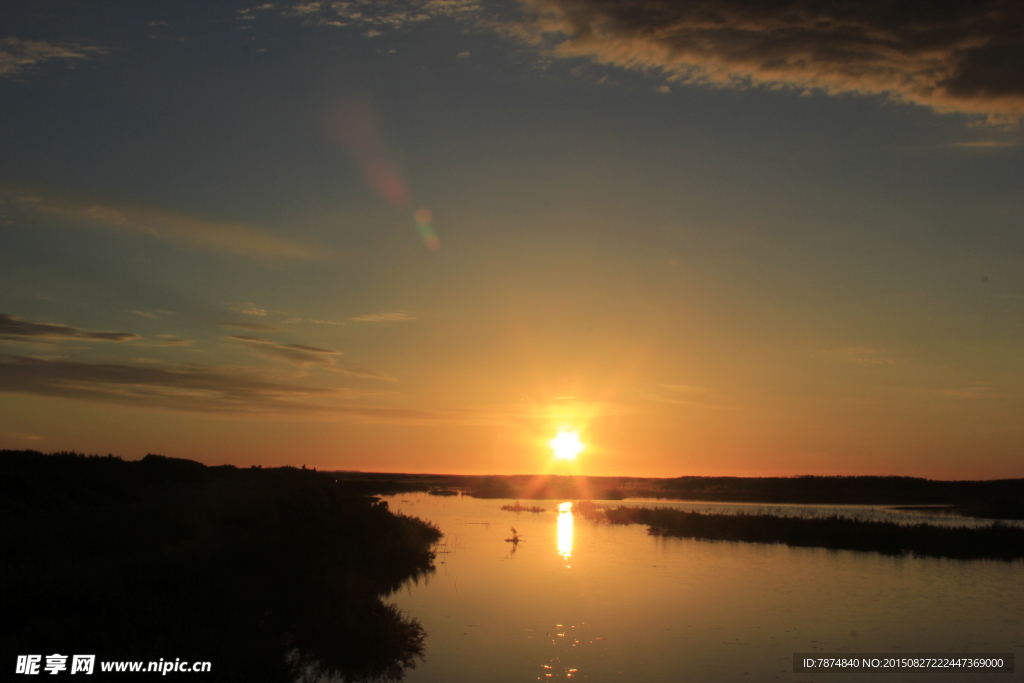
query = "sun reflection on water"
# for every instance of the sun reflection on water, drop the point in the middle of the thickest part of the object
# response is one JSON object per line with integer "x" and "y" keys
{"x": 565, "y": 530}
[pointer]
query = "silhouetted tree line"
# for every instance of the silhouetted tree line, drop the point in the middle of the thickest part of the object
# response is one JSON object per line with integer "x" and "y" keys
{"x": 998, "y": 541}
{"x": 270, "y": 574}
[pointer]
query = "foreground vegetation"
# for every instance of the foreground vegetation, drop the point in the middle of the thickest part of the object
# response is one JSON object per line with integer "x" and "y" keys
{"x": 998, "y": 541}
{"x": 269, "y": 574}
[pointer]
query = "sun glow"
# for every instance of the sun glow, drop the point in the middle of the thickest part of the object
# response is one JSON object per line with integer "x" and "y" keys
{"x": 566, "y": 445}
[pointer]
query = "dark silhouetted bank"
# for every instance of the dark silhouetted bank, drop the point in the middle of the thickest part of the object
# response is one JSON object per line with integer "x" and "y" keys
{"x": 269, "y": 574}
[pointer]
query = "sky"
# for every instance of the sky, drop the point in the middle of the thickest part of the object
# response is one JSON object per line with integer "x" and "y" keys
{"x": 738, "y": 238}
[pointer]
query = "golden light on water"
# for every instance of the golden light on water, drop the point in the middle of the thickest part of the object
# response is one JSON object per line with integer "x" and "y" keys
{"x": 565, "y": 530}
{"x": 566, "y": 445}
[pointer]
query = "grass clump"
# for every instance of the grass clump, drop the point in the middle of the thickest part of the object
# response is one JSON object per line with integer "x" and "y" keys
{"x": 519, "y": 507}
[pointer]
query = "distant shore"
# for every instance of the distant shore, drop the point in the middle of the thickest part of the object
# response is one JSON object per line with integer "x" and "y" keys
{"x": 993, "y": 499}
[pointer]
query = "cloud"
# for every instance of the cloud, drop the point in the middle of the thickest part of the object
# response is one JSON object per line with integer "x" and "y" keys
{"x": 367, "y": 374}
{"x": 382, "y": 317}
{"x": 200, "y": 389}
{"x": 198, "y": 233}
{"x": 312, "y": 321}
{"x": 250, "y": 309}
{"x": 303, "y": 356}
{"x": 372, "y": 16}
{"x": 16, "y": 329}
{"x": 170, "y": 340}
{"x": 22, "y": 436}
{"x": 986, "y": 144}
{"x": 297, "y": 354}
{"x": 249, "y": 14}
{"x": 252, "y": 327}
{"x": 18, "y": 56}
{"x": 970, "y": 393}
{"x": 964, "y": 57}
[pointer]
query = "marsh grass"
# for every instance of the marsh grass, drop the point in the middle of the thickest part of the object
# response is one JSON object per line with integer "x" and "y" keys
{"x": 997, "y": 541}
{"x": 437, "y": 491}
{"x": 519, "y": 507}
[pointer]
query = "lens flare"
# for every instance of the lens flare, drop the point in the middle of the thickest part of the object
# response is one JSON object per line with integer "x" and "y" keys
{"x": 354, "y": 126}
{"x": 423, "y": 217}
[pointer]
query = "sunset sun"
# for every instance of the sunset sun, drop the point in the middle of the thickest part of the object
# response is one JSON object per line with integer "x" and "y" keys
{"x": 566, "y": 445}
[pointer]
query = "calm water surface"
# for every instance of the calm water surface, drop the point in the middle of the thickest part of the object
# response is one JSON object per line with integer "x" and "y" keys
{"x": 585, "y": 600}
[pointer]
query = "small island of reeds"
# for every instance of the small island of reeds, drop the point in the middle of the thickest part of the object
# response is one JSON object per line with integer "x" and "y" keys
{"x": 998, "y": 541}
{"x": 437, "y": 491}
{"x": 519, "y": 507}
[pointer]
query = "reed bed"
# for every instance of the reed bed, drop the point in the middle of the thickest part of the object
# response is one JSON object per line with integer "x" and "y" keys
{"x": 998, "y": 541}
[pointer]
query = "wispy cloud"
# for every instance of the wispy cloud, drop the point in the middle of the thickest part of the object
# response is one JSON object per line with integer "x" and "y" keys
{"x": 22, "y": 436}
{"x": 18, "y": 56}
{"x": 250, "y": 309}
{"x": 303, "y": 356}
{"x": 363, "y": 373}
{"x": 312, "y": 321}
{"x": 986, "y": 144}
{"x": 252, "y": 327}
{"x": 297, "y": 354}
{"x": 373, "y": 17}
{"x": 953, "y": 57}
{"x": 152, "y": 314}
{"x": 191, "y": 231}
{"x": 17, "y": 329}
{"x": 169, "y": 340}
{"x": 971, "y": 393}
{"x": 383, "y": 317}
{"x": 202, "y": 389}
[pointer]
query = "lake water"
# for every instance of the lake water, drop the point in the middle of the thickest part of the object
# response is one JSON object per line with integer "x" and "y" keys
{"x": 587, "y": 600}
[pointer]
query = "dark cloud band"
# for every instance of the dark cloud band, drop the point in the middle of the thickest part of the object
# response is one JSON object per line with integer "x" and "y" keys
{"x": 12, "y": 327}
{"x": 193, "y": 388}
{"x": 965, "y": 57}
